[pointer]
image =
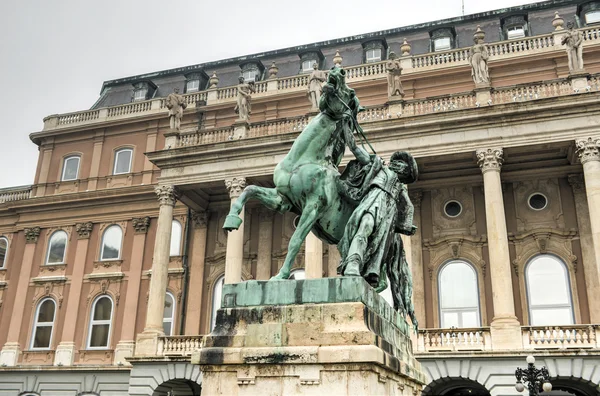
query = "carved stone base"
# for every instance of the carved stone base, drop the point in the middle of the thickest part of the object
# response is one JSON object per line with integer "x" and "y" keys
{"x": 9, "y": 356}
{"x": 123, "y": 350}
{"x": 317, "y": 336}
{"x": 579, "y": 80}
{"x": 240, "y": 129}
{"x": 65, "y": 354}
{"x": 146, "y": 343}
{"x": 483, "y": 94}
{"x": 506, "y": 333}
{"x": 395, "y": 107}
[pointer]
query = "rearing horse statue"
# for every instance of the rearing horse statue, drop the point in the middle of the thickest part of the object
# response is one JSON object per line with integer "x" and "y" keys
{"x": 307, "y": 179}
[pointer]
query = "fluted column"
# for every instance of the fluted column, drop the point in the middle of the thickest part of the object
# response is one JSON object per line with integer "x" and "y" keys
{"x": 313, "y": 256}
{"x": 416, "y": 262}
{"x": 506, "y": 333}
{"x": 588, "y": 151}
{"x": 167, "y": 196}
{"x": 265, "y": 244}
{"x": 11, "y": 350}
{"x": 590, "y": 265}
{"x": 234, "y": 256}
{"x": 196, "y": 268}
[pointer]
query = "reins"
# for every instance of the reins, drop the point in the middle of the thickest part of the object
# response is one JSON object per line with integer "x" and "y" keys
{"x": 357, "y": 126}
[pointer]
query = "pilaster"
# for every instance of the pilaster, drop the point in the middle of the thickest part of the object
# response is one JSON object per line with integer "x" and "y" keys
{"x": 234, "y": 254}
{"x": 196, "y": 268}
{"x": 416, "y": 262}
{"x": 265, "y": 244}
{"x": 313, "y": 257}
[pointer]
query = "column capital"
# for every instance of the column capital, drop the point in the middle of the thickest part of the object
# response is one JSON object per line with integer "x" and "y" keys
{"x": 84, "y": 230}
{"x": 588, "y": 149}
{"x": 235, "y": 186}
{"x": 32, "y": 234}
{"x": 167, "y": 194}
{"x": 490, "y": 159}
{"x": 415, "y": 197}
{"x": 141, "y": 224}
{"x": 577, "y": 183}
{"x": 200, "y": 219}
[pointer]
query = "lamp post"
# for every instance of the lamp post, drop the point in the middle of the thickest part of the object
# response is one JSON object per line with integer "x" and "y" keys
{"x": 533, "y": 377}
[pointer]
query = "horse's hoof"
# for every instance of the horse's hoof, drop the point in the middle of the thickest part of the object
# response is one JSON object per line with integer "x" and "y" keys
{"x": 232, "y": 222}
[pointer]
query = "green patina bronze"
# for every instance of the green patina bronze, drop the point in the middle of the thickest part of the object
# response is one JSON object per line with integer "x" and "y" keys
{"x": 361, "y": 210}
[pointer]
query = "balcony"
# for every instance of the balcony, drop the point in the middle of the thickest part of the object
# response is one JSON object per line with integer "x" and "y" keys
{"x": 15, "y": 193}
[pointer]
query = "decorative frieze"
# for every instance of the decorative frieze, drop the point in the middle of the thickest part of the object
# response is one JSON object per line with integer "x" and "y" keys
{"x": 588, "y": 149}
{"x": 32, "y": 234}
{"x": 577, "y": 183}
{"x": 167, "y": 194}
{"x": 235, "y": 186}
{"x": 141, "y": 224}
{"x": 200, "y": 219}
{"x": 84, "y": 230}
{"x": 490, "y": 159}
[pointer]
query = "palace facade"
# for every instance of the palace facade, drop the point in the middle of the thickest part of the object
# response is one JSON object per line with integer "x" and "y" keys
{"x": 107, "y": 290}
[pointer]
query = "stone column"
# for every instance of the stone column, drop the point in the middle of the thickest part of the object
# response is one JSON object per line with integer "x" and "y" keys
{"x": 590, "y": 266}
{"x": 46, "y": 150}
{"x": 65, "y": 351}
{"x": 126, "y": 343}
{"x": 416, "y": 262}
{"x": 147, "y": 342}
{"x": 505, "y": 327}
{"x": 313, "y": 256}
{"x": 333, "y": 260}
{"x": 234, "y": 256}
{"x": 588, "y": 151}
{"x": 11, "y": 350}
{"x": 95, "y": 163}
{"x": 196, "y": 268}
{"x": 265, "y": 244}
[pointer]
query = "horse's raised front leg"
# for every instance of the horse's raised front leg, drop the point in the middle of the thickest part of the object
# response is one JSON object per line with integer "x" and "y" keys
{"x": 269, "y": 197}
{"x": 307, "y": 220}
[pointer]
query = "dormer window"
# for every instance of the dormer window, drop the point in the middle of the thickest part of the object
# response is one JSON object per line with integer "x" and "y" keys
{"x": 592, "y": 17}
{"x": 589, "y": 13}
{"x": 442, "y": 39}
{"x": 252, "y": 71}
{"x": 140, "y": 94}
{"x": 143, "y": 90}
{"x": 192, "y": 86}
{"x": 515, "y": 27}
{"x": 374, "y": 51}
{"x": 307, "y": 65}
{"x": 194, "y": 82}
{"x": 514, "y": 32}
{"x": 250, "y": 74}
{"x": 308, "y": 59}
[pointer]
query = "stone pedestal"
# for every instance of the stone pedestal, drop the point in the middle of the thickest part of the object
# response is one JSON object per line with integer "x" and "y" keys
{"x": 395, "y": 107}
{"x": 316, "y": 336}
{"x": 240, "y": 129}
{"x": 483, "y": 94}
{"x": 65, "y": 354}
{"x": 9, "y": 356}
{"x": 579, "y": 80}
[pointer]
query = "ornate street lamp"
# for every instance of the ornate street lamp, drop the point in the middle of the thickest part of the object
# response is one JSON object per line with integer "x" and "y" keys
{"x": 533, "y": 377}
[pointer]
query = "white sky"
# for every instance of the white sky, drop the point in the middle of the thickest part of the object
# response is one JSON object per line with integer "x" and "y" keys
{"x": 55, "y": 54}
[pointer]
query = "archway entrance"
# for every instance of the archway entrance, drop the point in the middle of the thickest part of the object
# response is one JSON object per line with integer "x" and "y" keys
{"x": 178, "y": 387}
{"x": 455, "y": 387}
{"x": 572, "y": 386}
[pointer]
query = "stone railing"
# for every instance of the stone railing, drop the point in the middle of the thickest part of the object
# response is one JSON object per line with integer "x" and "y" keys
{"x": 532, "y": 91}
{"x": 278, "y": 127}
{"x": 560, "y": 337}
{"x": 205, "y": 137}
{"x": 416, "y": 107}
{"x": 473, "y": 339}
{"x": 15, "y": 194}
{"x": 179, "y": 345}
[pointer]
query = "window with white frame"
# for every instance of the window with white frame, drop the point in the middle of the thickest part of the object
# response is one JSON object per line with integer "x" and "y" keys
{"x": 169, "y": 314}
{"x": 122, "y": 161}
{"x": 298, "y": 274}
{"x": 307, "y": 65}
{"x": 140, "y": 94}
{"x": 57, "y": 248}
{"x": 548, "y": 291}
{"x": 43, "y": 324}
{"x": 592, "y": 17}
{"x": 192, "y": 85}
{"x": 517, "y": 31}
{"x": 373, "y": 55}
{"x": 100, "y": 323}
{"x": 3, "y": 251}
{"x": 458, "y": 295}
{"x": 176, "y": 231}
{"x": 70, "y": 168}
{"x": 111, "y": 243}
{"x": 442, "y": 44}
{"x": 216, "y": 300}
{"x": 250, "y": 74}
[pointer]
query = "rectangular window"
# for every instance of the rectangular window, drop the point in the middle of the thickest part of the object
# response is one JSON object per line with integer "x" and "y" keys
{"x": 592, "y": 17}
{"x": 70, "y": 169}
{"x": 192, "y": 86}
{"x": 307, "y": 65}
{"x": 442, "y": 44}
{"x": 373, "y": 55}
{"x": 250, "y": 75}
{"x": 140, "y": 94}
{"x": 122, "y": 161}
{"x": 514, "y": 32}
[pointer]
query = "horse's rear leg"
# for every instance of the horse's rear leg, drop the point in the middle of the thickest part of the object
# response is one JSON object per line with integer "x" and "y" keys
{"x": 267, "y": 196}
{"x": 307, "y": 221}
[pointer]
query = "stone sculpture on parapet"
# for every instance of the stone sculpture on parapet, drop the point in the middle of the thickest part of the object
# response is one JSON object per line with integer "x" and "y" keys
{"x": 478, "y": 58}
{"x": 573, "y": 39}
{"x": 243, "y": 106}
{"x": 315, "y": 86}
{"x": 394, "y": 71}
{"x": 176, "y": 104}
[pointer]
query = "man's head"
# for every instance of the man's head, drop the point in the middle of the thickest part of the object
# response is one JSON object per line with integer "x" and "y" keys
{"x": 241, "y": 79}
{"x": 315, "y": 66}
{"x": 570, "y": 25}
{"x": 405, "y": 166}
{"x": 392, "y": 55}
{"x": 176, "y": 90}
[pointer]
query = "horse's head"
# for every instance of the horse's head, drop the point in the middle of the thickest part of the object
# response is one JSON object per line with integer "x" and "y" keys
{"x": 337, "y": 97}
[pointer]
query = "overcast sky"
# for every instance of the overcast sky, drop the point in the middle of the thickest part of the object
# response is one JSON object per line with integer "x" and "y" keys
{"x": 55, "y": 54}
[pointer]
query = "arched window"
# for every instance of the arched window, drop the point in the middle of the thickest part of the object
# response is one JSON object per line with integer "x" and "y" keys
{"x": 111, "y": 243}
{"x": 216, "y": 300}
{"x": 175, "y": 238}
{"x": 57, "y": 248}
{"x": 70, "y": 168}
{"x": 169, "y": 314}
{"x": 3, "y": 251}
{"x": 43, "y": 324}
{"x": 122, "y": 161}
{"x": 458, "y": 295}
{"x": 100, "y": 323}
{"x": 548, "y": 291}
{"x": 298, "y": 274}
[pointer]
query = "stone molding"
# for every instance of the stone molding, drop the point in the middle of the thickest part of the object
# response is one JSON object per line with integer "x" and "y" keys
{"x": 577, "y": 183}
{"x": 490, "y": 159}
{"x": 141, "y": 224}
{"x": 235, "y": 186}
{"x": 32, "y": 234}
{"x": 84, "y": 230}
{"x": 200, "y": 219}
{"x": 167, "y": 194}
{"x": 588, "y": 149}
